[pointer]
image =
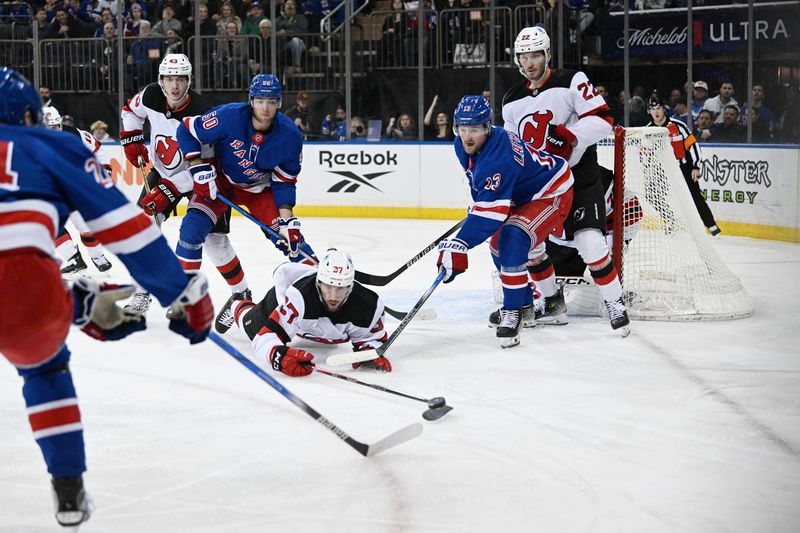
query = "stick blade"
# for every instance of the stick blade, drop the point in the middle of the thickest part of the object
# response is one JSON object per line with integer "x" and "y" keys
{"x": 398, "y": 437}
{"x": 436, "y": 413}
{"x": 340, "y": 359}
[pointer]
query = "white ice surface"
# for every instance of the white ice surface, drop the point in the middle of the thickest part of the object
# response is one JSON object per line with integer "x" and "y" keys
{"x": 681, "y": 427}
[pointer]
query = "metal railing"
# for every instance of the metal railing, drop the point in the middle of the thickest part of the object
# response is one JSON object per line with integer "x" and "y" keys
{"x": 398, "y": 44}
{"x": 465, "y": 37}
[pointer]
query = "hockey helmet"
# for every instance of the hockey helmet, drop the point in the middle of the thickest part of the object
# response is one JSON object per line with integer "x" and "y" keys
{"x": 336, "y": 270}
{"x": 266, "y": 86}
{"x": 655, "y": 101}
{"x": 472, "y": 111}
{"x": 17, "y": 96}
{"x": 531, "y": 39}
{"x": 52, "y": 118}
{"x": 175, "y": 65}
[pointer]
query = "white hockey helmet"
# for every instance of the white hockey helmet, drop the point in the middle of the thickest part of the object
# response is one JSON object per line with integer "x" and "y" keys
{"x": 336, "y": 270}
{"x": 52, "y": 118}
{"x": 175, "y": 65}
{"x": 531, "y": 39}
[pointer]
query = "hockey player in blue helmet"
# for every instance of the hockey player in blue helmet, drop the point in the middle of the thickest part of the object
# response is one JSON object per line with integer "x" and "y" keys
{"x": 258, "y": 151}
{"x": 47, "y": 174}
{"x": 520, "y": 196}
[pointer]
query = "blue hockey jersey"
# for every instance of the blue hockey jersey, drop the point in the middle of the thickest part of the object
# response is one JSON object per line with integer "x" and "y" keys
{"x": 251, "y": 160}
{"x": 47, "y": 174}
{"x": 506, "y": 173}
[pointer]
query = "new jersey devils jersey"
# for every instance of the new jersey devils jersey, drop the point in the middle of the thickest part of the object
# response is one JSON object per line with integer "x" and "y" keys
{"x": 46, "y": 174}
{"x": 151, "y": 104}
{"x": 88, "y": 140}
{"x": 567, "y": 97}
{"x": 300, "y": 312}
{"x": 506, "y": 172}
{"x": 250, "y": 160}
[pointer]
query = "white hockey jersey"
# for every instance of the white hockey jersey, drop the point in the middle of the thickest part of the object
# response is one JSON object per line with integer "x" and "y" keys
{"x": 300, "y": 312}
{"x": 151, "y": 104}
{"x": 567, "y": 97}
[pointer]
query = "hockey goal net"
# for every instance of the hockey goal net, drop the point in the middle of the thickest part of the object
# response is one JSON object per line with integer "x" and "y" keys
{"x": 665, "y": 257}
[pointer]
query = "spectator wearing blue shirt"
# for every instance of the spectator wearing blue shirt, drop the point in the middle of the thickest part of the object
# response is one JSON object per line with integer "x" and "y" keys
{"x": 765, "y": 115}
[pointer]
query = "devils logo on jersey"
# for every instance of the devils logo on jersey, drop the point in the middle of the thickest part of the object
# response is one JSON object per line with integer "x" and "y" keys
{"x": 533, "y": 128}
{"x": 168, "y": 152}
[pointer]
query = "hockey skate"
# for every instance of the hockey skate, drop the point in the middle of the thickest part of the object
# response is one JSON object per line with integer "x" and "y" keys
{"x": 139, "y": 303}
{"x": 508, "y": 330}
{"x": 553, "y": 311}
{"x": 528, "y": 316}
{"x": 618, "y": 316}
{"x": 73, "y": 504}
{"x": 224, "y": 319}
{"x": 101, "y": 263}
{"x": 75, "y": 265}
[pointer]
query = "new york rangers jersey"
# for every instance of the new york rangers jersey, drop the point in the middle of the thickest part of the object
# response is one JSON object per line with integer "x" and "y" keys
{"x": 300, "y": 312}
{"x": 251, "y": 160}
{"x": 505, "y": 173}
{"x": 566, "y": 97}
{"x": 151, "y": 104}
{"x": 46, "y": 174}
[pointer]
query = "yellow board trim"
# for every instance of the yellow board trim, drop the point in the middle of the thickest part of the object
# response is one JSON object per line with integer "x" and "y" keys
{"x": 741, "y": 229}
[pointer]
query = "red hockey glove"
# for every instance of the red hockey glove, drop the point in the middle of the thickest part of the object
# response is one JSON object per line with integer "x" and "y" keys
{"x": 192, "y": 311}
{"x": 381, "y": 363}
{"x": 159, "y": 198}
{"x": 205, "y": 181}
{"x": 291, "y": 361}
{"x": 97, "y": 314}
{"x": 133, "y": 143}
{"x": 452, "y": 258}
{"x": 560, "y": 141}
{"x": 291, "y": 237}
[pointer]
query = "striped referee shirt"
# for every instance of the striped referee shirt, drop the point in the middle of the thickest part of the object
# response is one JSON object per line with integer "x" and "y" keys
{"x": 683, "y": 141}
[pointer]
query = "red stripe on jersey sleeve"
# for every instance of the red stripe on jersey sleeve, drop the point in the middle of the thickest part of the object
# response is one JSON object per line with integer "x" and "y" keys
{"x": 20, "y": 217}
{"x": 125, "y": 230}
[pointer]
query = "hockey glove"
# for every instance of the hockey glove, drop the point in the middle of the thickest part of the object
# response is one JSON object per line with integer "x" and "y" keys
{"x": 192, "y": 312}
{"x": 560, "y": 141}
{"x": 381, "y": 363}
{"x": 452, "y": 258}
{"x": 97, "y": 314}
{"x": 133, "y": 143}
{"x": 159, "y": 198}
{"x": 291, "y": 237}
{"x": 291, "y": 361}
{"x": 205, "y": 181}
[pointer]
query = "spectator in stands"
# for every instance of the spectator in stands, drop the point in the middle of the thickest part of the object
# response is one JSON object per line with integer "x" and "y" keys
{"x": 699, "y": 97}
{"x": 47, "y": 99}
{"x": 702, "y": 126}
{"x": 226, "y": 14}
{"x": 675, "y": 96}
{"x": 253, "y": 19}
{"x": 50, "y": 7}
{"x": 106, "y": 17}
{"x": 300, "y": 112}
{"x": 403, "y": 129}
{"x": 584, "y": 17}
{"x": 66, "y": 26}
{"x": 638, "y": 112}
{"x": 167, "y": 22}
{"x": 107, "y": 61}
{"x": 358, "y": 130}
{"x": 760, "y": 132}
{"x": 395, "y": 28}
{"x": 602, "y": 90}
{"x": 729, "y": 130}
{"x": 232, "y": 58}
{"x": 410, "y": 42}
{"x": 142, "y": 58}
{"x": 790, "y": 120}
{"x": 680, "y": 111}
{"x": 45, "y": 28}
{"x": 717, "y": 104}
{"x": 135, "y": 18}
{"x": 67, "y": 120}
{"x": 100, "y": 131}
{"x": 101, "y": 5}
{"x": 82, "y": 11}
{"x": 765, "y": 115}
{"x": 463, "y": 27}
{"x": 334, "y": 127}
{"x": 289, "y": 25}
{"x": 261, "y": 50}
{"x": 440, "y": 130}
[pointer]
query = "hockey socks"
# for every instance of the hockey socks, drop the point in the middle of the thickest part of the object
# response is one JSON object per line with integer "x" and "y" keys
{"x": 219, "y": 249}
{"x": 607, "y": 280}
{"x": 65, "y": 248}
{"x": 92, "y": 245}
{"x": 544, "y": 276}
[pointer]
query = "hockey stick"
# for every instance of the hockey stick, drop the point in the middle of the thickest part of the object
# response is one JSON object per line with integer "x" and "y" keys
{"x": 367, "y": 450}
{"x": 439, "y": 277}
{"x": 147, "y": 188}
{"x": 437, "y": 407}
{"x": 380, "y": 281}
{"x": 399, "y": 315}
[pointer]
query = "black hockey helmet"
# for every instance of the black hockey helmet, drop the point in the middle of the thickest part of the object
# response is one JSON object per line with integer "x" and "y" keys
{"x": 655, "y": 101}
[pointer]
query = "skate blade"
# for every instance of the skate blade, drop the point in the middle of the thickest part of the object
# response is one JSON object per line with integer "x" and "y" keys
{"x": 555, "y": 320}
{"x": 509, "y": 342}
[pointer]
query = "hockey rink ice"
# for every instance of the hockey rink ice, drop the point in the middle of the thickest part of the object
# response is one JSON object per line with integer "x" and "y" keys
{"x": 681, "y": 427}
